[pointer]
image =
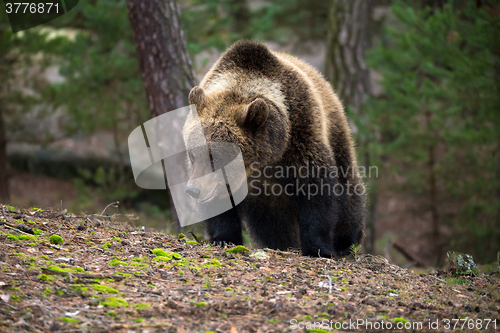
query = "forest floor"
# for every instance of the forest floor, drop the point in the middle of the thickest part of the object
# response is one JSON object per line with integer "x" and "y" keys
{"x": 102, "y": 276}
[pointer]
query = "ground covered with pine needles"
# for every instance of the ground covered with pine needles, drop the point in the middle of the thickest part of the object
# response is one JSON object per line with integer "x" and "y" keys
{"x": 65, "y": 273}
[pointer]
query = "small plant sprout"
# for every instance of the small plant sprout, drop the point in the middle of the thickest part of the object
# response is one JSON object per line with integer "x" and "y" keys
{"x": 356, "y": 250}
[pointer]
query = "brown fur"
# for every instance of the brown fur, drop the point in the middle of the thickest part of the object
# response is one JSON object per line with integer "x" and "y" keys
{"x": 282, "y": 112}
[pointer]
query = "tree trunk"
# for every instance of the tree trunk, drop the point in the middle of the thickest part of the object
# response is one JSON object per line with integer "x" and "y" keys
{"x": 349, "y": 36}
{"x": 163, "y": 58}
{"x": 4, "y": 185}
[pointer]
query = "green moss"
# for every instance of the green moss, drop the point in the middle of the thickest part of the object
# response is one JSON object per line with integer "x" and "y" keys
{"x": 11, "y": 208}
{"x": 70, "y": 320}
{"x": 139, "y": 265}
{"x": 47, "y": 292}
{"x": 104, "y": 289}
{"x": 138, "y": 320}
{"x": 140, "y": 259}
{"x": 116, "y": 239}
{"x": 68, "y": 269}
{"x": 115, "y": 302}
{"x": 27, "y": 237}
{"x": 37, "y": 231}
{"x": 12, "y": 237}
{"x": 141, "y": 306}
{"x": 116, "y": 262}
{"x": 56, "y": 239}
{"x": 201, "y": 304}
{"x": 15, "y": 298}
{"x": 112, "y": 313}
{"x": 238, "y": 249}
{"x": 80, "y": 287}
{"x": 123, "y": 274}
{"x": 161, "y": 258}
{"x": 212, "y": 263}
{"x": 181, "y": 235}
{"x": 31, "y": 244}
{"x": 159, "y": 252}
{"x": 192, "y": 242}
{"x": 47, "y": 278}
{"x": 400, "y": 320}
{"x": 106, "y": 245}
{"x": 35, "y": 209}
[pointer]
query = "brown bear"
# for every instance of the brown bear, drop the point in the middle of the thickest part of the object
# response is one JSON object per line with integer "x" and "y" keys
{"x": 304, "y": 188}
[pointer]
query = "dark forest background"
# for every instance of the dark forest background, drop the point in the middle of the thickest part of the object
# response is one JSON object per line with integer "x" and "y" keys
{"x": 419, "y": 80}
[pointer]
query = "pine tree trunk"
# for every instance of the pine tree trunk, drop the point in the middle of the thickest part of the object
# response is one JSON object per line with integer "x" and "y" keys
{"x": 4, "y": 185}
{"x": 163, "y": 58}
{"x": 349, "y": 36}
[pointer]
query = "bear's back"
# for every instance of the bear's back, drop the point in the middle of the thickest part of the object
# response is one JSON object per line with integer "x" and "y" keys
{"x": 299, "y": 90}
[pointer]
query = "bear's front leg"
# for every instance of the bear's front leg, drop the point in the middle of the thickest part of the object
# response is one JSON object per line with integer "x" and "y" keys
{"x": 316, "y": 222}
{"x": 225, "y": 228}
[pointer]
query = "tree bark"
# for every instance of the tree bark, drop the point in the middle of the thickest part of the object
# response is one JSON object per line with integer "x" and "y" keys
{"x": 162, "y": 52}
{"x": 349, "y": 36}
{"x": 163, "y": 58}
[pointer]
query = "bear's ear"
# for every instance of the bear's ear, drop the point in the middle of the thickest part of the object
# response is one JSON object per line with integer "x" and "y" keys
{"x": 197, "y": 96}
{"x": 254, "y": 115}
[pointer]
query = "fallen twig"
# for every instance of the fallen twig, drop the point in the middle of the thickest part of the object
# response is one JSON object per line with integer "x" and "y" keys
{"x": 83, "y": 275}
{"x": 10, "y": 226}
{"x": 54, "y": 246}
{"x": 195, "y": 238}
{"x": 113, "y": 204}
{"x": 10, "y": 306}
{"x": 279, "y": 252}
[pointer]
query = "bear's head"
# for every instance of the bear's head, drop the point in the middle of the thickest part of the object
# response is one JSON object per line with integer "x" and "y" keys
{"x": 251, "y": 122}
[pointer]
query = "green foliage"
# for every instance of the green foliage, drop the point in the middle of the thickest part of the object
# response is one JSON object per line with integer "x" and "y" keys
{"x": 356, "y": 250}
{"x": 462, "y": 264}
{"x": 219, "y": 23}
{"x": 457, "y": 280}
{"x": 438, "y": 115}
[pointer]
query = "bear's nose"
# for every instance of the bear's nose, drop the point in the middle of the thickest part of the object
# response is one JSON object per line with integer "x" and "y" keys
{"x": 192, "y": 191}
